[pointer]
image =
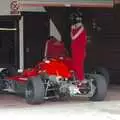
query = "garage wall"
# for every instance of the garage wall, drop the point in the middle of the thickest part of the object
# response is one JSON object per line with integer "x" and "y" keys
{"x": 104, "y": 48}
{"x": 5, "y": 7}
{"x": 112, "y": 36}
{"x": 53, "y": 30}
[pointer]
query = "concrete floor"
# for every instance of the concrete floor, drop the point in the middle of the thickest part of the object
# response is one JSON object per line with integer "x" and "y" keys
{"x": 74, "y": 108}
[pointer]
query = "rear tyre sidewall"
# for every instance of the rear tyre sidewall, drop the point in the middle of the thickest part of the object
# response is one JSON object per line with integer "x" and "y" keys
{"x": 101, "y": 88}
{"x": 104, "y": 72}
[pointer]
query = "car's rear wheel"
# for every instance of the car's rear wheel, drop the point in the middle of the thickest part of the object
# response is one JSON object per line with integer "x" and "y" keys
{"x": 102, "y": 71}
{"x": 101, "y": 88}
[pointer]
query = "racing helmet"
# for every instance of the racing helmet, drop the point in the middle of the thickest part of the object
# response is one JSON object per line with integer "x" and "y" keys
{"x": 75, "y": 18}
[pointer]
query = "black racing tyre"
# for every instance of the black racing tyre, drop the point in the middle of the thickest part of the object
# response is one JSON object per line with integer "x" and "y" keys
{"x": 19, "y": 89}
{"x": 2, "y": 85}
{"x": 104, "y": 72}
{"x": 101, "y": 88}
{"x": 35, "y": 91}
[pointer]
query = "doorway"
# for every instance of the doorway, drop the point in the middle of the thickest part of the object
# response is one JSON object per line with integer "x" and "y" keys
{"x": 36, "y": 32}
{"x": 9, "y": 35}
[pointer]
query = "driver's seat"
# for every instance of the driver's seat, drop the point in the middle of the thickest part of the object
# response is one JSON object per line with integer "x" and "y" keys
{"x": 54, "y": 48}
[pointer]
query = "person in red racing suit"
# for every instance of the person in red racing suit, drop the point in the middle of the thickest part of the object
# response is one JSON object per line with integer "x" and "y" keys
{"x": 78, "y": 49}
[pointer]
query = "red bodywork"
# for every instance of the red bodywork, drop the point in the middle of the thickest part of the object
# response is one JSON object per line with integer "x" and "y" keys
{"x": 55, "y": 49}
{"x": 53, "y": 66}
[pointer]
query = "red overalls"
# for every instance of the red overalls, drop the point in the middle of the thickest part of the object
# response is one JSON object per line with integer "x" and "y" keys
{"x": 78, "y": 45}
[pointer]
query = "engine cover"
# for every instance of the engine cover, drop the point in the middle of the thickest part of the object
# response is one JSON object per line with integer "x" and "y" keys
{"x": 55, "y": 67}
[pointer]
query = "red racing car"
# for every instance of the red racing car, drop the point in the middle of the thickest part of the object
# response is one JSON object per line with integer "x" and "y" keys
{"x": 51, "y": 78}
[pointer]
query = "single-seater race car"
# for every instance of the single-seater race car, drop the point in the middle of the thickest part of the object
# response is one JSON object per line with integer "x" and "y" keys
{"x": 52, "y": 78}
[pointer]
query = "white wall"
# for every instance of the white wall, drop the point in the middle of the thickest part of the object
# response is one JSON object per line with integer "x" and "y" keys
{"x": 5, "y": 7}
{"x": 33, "y": 9}
{"x": 54, "y": 31}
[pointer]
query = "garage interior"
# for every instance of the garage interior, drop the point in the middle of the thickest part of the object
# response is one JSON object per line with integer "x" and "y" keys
{"x": 9, "y": 40}
{"x": 103, "y": 39}
{"x": 28, "y": 33}
{"x": 36, "y": 32}
{"x": 103, "y": 29}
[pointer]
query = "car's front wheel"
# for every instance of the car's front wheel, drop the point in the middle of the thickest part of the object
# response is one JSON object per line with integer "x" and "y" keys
{"x": 35, "y": 91}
